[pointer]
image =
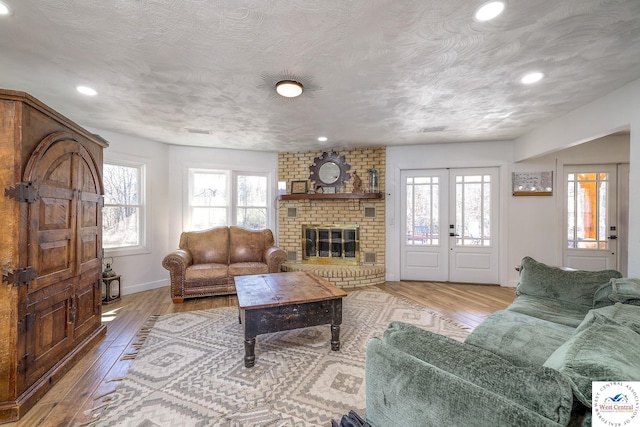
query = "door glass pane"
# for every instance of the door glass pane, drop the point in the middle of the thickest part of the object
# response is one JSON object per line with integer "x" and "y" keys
{"x": 422, "y": 221}
{"x": 587, "y": 210}
{"x": 473, "y": 210}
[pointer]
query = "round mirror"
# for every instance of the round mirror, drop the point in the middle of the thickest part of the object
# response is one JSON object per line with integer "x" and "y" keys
{"x": 329, "y": 173}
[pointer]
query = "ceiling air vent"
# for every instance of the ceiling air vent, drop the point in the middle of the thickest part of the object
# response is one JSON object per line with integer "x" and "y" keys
{"x": 199, "y": 131}
{"x": 433, "y": 129}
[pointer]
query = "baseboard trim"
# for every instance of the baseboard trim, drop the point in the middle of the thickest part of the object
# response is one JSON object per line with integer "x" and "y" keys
{"x": 141, "y": 287}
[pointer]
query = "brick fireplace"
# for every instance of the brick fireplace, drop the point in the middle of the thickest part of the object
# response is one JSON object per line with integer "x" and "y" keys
{"x": 328, "y": 217}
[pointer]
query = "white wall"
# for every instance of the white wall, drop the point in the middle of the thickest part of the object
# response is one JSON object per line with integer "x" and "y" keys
{"x": 182, "y": 158}
{"x": 144, "y": 271}
{"x": 618, "y": 110}
{"x": 536, "y": 223}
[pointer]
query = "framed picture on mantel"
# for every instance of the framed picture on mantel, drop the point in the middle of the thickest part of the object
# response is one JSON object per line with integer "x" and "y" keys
{"x": 299, "y": 187}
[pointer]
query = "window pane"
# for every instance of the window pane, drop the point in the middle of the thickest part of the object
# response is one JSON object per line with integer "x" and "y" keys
{"x": 252, "y": 190}
{"x": 120, "y": 226}
{"x": 121, "y": 184}
{"x": 203, "y": 218}
{"x": 252, "y": 218}
{"x": 209, "y": 189}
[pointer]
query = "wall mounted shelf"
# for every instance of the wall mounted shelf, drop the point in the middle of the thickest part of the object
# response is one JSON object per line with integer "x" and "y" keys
{"x": 314, "y": 196}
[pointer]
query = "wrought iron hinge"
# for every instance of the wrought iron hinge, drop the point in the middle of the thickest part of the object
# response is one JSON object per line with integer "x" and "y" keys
{"x": 23, "y": 192}
{"x": 21, "y": 276}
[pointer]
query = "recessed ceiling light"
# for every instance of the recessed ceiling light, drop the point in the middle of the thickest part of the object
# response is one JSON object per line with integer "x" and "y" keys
{"x": 531, "y": 78}
{"x": 85, "y": 90}
{"x": 322, "y": 138}
{"x": 489, "y": 10}
{"x": 289, "y": 88}
{"x": 4, "y": 9}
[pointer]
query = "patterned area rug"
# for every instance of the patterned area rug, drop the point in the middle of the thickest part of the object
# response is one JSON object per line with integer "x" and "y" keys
{"x": 190, "y": 370}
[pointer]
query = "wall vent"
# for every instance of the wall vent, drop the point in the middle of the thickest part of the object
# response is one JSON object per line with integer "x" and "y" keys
{"x": 199, "y": 131}
{"x": 292, "y": 212}
{"x": 292, "y": 256}
{"x": 433, "y": 129}
{"x": 369, "y": 257}
{"x": 369, "y": 211}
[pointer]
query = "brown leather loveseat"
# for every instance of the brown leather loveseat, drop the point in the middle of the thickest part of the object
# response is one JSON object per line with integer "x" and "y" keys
{"x": 207, "y": 261}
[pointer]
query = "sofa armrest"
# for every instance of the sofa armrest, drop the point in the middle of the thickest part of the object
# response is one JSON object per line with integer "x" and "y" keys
{"x": 404, "y": 390}
{"x": 274, "y": 257}
{"x": 177, "y": 262}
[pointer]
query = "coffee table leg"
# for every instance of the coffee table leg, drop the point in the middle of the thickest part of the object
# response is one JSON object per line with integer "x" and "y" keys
{"x": 335, "y": 337}
{"x": 249, "y": 352}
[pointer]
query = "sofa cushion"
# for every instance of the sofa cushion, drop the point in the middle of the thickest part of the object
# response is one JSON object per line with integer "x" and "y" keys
{"x": 625, "y": 290}
{"x": 605, "y": 347}
{"x": 208, "y": 246}
{"x": 206, "y": 271}
{"x": 246, "y": 268}
{"x": 540, "y": 389}
{"x": 521, "y": 339}
{"x": 248, "y": 245}
{"x": 572, "y": 286}
{"x": 555, "y": 311}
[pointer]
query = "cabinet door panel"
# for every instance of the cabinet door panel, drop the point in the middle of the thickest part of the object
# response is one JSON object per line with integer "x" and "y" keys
{"x": 48, "y": 332}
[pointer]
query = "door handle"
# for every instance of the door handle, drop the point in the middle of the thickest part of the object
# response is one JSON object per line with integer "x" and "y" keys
{"x": 613, "y": 237}
{"x": 453, "y": 235}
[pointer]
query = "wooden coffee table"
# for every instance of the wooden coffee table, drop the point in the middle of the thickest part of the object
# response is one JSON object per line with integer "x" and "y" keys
{"x": 283, "y": 301}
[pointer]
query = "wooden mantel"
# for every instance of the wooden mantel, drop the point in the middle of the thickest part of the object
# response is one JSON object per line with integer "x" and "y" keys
{"x": 316, "y": 196}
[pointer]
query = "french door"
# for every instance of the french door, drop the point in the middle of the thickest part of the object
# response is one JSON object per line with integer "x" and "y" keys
{"x": 593, "y": 227}
{"x": 449, "y": 225}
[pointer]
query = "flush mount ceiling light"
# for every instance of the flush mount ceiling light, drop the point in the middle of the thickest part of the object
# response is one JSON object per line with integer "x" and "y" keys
{"x": 4, "y": 9}
{"x": 289, "y": 88}
{"x": 531, "y": 78}
{"x": 489, "y": 10}
{"x": 85, "y": 90}
{"x": 322, "y": 138}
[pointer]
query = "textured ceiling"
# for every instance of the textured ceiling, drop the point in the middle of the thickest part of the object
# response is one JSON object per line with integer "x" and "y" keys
{"x": 377, "y": 72}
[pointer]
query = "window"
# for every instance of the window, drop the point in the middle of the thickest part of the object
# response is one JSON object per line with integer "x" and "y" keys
{"x": 209, "y": 199}
{"x": 251, "y": 207}
{"x": 223, "y": 197}
{"x": 123, "y": 211}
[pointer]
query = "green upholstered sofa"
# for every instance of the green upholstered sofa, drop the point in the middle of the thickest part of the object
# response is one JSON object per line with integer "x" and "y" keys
{"x": 528, "y": 365}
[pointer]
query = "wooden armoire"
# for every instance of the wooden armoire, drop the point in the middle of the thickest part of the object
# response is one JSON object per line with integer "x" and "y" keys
{"x": 50, "y": 248}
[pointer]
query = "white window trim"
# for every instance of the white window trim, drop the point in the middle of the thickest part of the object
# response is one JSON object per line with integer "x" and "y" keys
{"x": 144, "y": 246}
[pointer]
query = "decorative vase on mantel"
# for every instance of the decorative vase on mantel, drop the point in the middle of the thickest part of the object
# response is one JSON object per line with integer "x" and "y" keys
{"x": 373, "y": 181}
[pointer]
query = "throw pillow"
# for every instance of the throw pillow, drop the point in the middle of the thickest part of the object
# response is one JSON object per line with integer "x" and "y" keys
{"x": 605, "y": 347}
{"x": 625, "y": 290}
{"x": 571, "y": 286}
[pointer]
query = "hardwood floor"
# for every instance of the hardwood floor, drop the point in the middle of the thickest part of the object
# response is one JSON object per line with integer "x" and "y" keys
{"x": 70, "y": 401}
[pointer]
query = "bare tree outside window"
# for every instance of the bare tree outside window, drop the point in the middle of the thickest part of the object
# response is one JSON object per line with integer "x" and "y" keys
{"x": 121, "y": 215}
{"x": 251, "y": 211}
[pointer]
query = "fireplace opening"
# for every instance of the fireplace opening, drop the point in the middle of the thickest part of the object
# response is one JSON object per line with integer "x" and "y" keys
{"x": 331, "y": 244}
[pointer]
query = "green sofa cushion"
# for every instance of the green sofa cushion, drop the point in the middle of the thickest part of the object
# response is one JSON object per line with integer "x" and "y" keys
{"x": 519, "y": 338}
{"x": 572, "y": 286}
{"x": 625, "y": 290}
{"x": 605, "y": 347}
{"x": 555, "y": 311}
{"x": 539, "y": 389}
